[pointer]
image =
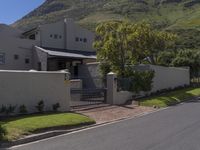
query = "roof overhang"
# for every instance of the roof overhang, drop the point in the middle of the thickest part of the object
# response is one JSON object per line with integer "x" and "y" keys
{"x": 68, "y": 53}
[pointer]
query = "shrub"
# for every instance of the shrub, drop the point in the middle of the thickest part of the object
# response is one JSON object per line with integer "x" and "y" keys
{"x": 10, "y": 109}
{"x": 3, "y": 109}
{"x": 40, "y": 106}
{"x": 139, "y": 80}
{"x": 22, "y": 109}
{"x": 56, "y": 106}
{"x": 3, "y": 132}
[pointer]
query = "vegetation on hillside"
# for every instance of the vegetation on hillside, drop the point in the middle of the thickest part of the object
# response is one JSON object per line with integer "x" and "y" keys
{"x": 181, "y": 16}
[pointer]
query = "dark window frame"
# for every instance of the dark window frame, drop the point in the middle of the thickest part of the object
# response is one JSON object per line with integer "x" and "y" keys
{"x": 27, "y": 61}
{"x": 85, "y": 40}
{"x": 77, "y": 39}
{"x": 3, "y": 58}
{"x": 55, "y": 36}
{"x": 16, "y": 56}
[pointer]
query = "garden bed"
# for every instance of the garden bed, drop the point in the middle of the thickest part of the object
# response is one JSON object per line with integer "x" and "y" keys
{"x": 170, "y": 98}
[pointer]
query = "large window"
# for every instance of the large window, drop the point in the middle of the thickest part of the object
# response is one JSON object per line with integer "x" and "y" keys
{"x": 2, "y": 58}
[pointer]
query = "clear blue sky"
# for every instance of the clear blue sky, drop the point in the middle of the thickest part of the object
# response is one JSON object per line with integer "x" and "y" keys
{"x": 12, "y": 10}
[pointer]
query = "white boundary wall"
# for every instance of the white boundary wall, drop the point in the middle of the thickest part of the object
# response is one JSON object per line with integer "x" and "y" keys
{"x": 29, "y": 87}
{"x": 169, "y": 77}
{"x": 165, "y": 78}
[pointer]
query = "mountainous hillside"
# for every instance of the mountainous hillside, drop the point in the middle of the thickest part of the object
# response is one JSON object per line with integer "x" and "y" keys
{"x": 182, "y": 16}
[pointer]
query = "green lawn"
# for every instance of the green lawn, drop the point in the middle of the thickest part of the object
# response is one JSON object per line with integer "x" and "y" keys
{"x": 19, "y": 126}
{"x": 171, "y": 98}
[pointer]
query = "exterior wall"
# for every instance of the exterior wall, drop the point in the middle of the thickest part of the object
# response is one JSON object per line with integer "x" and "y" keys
{"x": 28, "y": 88}
{"x": 115, "y": 97}
{"x": 89, "y": 70}
{"x": 75, "y": 31}
{"x": 52, "y": 29}
{"x": 11, "y": 46}
{"x": 169, "y": 77}
{"x": 8, "y": 31}
{"x": 90, "y": 74}
{"x": 68, "y": 31}
{"x": 76, "y": 84}
{"x": 39, "y": 57}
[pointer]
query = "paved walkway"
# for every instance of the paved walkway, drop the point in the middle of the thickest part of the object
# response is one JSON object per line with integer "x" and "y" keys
{"x": 106, "y": 113}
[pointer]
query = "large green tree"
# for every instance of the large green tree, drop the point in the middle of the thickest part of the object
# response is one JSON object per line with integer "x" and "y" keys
{"x": 121, "y": 43}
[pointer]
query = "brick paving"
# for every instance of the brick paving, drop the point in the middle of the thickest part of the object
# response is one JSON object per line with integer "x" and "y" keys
{"x": 108, "y": 113}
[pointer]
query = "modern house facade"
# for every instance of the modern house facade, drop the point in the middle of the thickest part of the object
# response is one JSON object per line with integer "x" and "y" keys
{"x": 50, "y": 47}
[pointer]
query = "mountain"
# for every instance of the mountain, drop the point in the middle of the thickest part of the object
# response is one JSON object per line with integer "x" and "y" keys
{"x": 181, "y": 16}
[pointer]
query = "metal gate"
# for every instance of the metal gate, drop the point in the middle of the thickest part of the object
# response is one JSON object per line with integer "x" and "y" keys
{"x": 92, "y": 92}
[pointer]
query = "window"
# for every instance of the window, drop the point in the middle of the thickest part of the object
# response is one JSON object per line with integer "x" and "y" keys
{"x": 51, "y": 35}
{"x": 77, "y": 39}
{"x": 85, "y": 40}
{"x": 2, "y": 58}
{"x": 27, "y": 61}
{"x": 60, "y": 36}
{"x": 55, "y": 36}
{"x": 81, "y": 39}
{"x": 16, "y": 57}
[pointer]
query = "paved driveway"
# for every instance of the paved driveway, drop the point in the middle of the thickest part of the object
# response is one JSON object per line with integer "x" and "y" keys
{"x": 176, "y": 128}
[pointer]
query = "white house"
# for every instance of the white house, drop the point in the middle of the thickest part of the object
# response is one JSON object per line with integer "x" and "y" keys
{"x": 56, "y": 46}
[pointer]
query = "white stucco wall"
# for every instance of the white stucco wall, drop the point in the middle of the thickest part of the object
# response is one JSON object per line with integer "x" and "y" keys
{"x": 68, "y": 30}
{"x": 11, "y": 46}
{"x": 165, "y": 78}
{"x": 169, "y": 77}
{"x": 28, "y": 88}
{"x": 73, "y": 31}
{"x": 52, "y": 29}
{"x": 76, "y": 84}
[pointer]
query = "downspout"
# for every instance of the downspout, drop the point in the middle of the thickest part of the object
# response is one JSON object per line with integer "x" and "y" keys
{"x": 40, "y": 36}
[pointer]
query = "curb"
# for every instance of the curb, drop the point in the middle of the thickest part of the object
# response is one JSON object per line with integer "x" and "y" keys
{"x": 40, "y": 136}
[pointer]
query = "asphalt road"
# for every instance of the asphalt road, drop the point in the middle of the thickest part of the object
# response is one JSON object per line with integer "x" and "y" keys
{"x": 176, "y": 128}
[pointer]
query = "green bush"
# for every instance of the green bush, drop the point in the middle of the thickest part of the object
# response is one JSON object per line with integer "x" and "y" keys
{"x": 22, "y": 109}
{"x": 3, "y": 109}
{"x": 56, "y": 106}
{"x": 40, "y": 106}
{"x": 140, "y": 80}
{"x": 10, "y": 109}
{"x": 3, "y": 132}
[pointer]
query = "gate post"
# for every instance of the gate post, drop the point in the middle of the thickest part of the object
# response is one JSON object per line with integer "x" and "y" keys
{"x": 111, "y": 87}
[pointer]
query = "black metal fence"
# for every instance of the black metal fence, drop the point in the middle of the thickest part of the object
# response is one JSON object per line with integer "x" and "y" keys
{"x": 93, "y": 92}
{"x": 195, "y": 82}
{"x": 124, "y": 84}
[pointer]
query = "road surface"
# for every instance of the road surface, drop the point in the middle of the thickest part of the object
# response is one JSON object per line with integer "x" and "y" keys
{"x": 175, "y": 128}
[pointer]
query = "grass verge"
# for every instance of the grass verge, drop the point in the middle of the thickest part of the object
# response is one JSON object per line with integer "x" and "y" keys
{"x": 18, "y": 127}
{"x": 171, "y": 98}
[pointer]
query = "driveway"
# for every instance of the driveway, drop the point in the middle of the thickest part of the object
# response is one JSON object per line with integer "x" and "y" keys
{"x": 176, "y": 128}
{"x": 109, "y": 113}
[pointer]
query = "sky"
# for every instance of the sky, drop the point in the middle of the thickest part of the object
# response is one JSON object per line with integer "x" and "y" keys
{"x": 12, "y": 10}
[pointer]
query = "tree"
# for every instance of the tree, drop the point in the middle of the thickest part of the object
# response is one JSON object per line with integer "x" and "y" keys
{"x": 165, "y": 58}
{"x": 151, "y": 42}
{"x": 121, "y": 43}
{"x": 190, "y": 58}
{"x": 112, "y": 44}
